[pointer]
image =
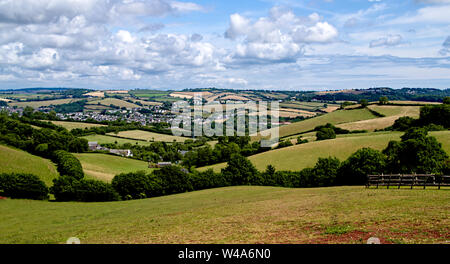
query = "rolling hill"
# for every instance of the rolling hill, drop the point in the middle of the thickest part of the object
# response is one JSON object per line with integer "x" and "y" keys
{"x": 104, "y": 167}
{"x": 302, "y": 156}
{"x": 14, "y": 160}
{"x": 148, "y": 136}
{"x": 261, "y": 215}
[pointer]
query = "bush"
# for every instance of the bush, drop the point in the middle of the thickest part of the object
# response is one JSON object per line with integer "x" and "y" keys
{"x": 173, "y": 180}
{"x": 207, "y": 180}
{"x": 67, "y": 188}
{"x": 23, "y": 186}
{"x": 239, "y": 171}
{"x": 355, "y": 169}
{"x": 325, "y": 133}
{"x": 135, "y": 183}
{"x": 68, "y": 164}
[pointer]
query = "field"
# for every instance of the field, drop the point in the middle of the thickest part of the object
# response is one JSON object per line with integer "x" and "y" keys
{"x": 148, "y": 136}
{"x": 73, "y": 125}
{"x": 113, "y": 101}
{"x": 238, "y": 215}
{"x": 14, "y": 160}
{"x": 392, "y": 113}
{"x": 37, "y": 104}
{"x": 105, "y": 167}
{"x": 302, "y": 156}
{"x": 108, "y": 139}
{"x": 337, "y": 117}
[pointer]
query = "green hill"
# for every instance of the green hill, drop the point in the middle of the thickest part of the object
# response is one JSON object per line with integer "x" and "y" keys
{"x": 14, "y": 160}
{"x": 262, "y": 215}
{"x": 105, "y": 167}
{"x": 302, "y": 156}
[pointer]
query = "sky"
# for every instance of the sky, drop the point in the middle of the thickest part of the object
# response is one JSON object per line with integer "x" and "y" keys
{"x": 246, "y": 44}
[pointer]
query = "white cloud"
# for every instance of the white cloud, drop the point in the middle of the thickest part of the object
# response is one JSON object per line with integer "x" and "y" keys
{"x": 389, "y": 40}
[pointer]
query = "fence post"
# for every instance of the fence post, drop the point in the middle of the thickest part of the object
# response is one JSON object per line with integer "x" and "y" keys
{"x": 400, "y": 182}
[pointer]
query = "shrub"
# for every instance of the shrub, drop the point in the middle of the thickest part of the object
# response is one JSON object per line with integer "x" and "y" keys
{"x": 173, "y": 180}
{"x": 207, "y": 180}
{"x": 325, "y": 133}
{"x": 68, "y": 164}
{"x": 355, "y": 169}
{"x": 67, "y": 188}
{"x": 134, "y": 184}
{"x": 23, "y": 186}
{"x": 239, "y": 171}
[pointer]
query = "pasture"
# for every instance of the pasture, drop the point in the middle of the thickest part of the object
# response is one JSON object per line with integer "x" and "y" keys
{"x": 101, "y": 139}
{"x": 104, "y": 167}
{"x": 73, "y": 125}
{"x": 113, "y": 101}
{"x": 298, "y": 157}
{"x": 148, "y": 136}
{"x": 37, "y": 104}
{"x": 237, "y": 215}
{"x": 15, "y": 160}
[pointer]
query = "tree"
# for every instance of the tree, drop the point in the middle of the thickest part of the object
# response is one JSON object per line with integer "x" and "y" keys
{"x": 355, "y": 169}
{"x": 173, "y": 180}
{"x": 23, "y": 186}
{"x": 326, "y": 171}
{"x": 383, "y": 100}
{"x": 364, "y": 103}
{"x": 239, "y": 171}
{"x": 404, "y": 123}
{"x": 325, "y": 133}
{"x": 133, "y": 184}
{"x": 447, "y": 100}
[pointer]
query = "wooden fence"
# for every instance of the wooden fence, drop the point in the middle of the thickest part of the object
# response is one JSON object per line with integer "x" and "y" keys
{"x": 409, "y": 180}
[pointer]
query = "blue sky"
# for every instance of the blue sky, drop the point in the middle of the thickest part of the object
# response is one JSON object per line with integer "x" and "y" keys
{"x": 251, "y": 44}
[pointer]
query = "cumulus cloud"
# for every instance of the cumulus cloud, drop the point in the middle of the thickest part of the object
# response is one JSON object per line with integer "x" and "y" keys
{"x": 389, "y": 41}
{"x": 279, "y": 36}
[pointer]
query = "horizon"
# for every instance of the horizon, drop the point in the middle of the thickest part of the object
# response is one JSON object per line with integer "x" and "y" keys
{"x": 283, "y": 45}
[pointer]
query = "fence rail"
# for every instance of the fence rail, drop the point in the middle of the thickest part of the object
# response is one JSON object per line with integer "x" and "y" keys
{"x": 409, "y": 180}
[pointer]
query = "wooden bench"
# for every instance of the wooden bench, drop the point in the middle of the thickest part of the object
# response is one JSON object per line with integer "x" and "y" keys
{"x": 410, "y": 180}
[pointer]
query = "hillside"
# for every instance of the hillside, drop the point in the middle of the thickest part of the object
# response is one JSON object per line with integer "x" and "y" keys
{"x": 148, "y": 136}
{"x": 105, "y": 167}
{"x": 14, "y": 160}
{"x": 73, "y": 125}
{"x": 302, "y": 156}
{"x": 237, "y": 215}
{"x": 100, "y": 139}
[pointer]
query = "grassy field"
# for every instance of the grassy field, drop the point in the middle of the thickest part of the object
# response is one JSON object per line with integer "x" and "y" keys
{"x": 73, "y": 125}
{"x": 337, "y": 117}
{"x": 392, "y": 113}
{"x": 238, "y": 215}
{"x": 148, "y": 136}
{"x": 302, "y": 156}
{"x": 14, "y": 160}
{"x": 105, "y": 167}
{"x": 37, "y": 104}
{"x": 108, "y": 139}
{"x": 113, "y": 101}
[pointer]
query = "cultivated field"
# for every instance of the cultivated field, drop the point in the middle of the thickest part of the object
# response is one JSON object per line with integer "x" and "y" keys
{"x": 115, "y": 102}
{"x": 15, "y": 160}
{"x": 392, "y": 113}
{"x": 238, "y": 215}
{"x": 104, "y": 167}
{"x": 37, "y": 104}
{"x": 101, "y": 139}
{"x": 73, "y": 125}
{"x": 299, "y": 157}
{"x": 148, "y": 136}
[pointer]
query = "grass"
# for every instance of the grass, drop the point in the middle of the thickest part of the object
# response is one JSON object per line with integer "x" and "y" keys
{"x": 73, "y": 125}
{"x": 101, "y": 139}
{"x": 302, "y": 156}
{"x": 148, "y": 136}
{"x": 337, "y": 117}
{"x": 37, "y": 104}
{"x": 104, "y": 167}
{"x": 114, "y": 101}
{"x": 392, "y": 113}
{"x": 237, "y": 215}
{"x": 14, "y": 160}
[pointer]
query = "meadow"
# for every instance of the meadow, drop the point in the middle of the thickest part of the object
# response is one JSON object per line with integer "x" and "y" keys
{"x": 298, "y": 157}
{"x": 14, "y": 160}
{"x": 73, "y": 125}
{"x": 148, "y": 136}
{"x": 237, "y": 215}
{"x": 104, "y": 167}
{"x": 101, "y": 139}
{"x": 113, "y": 101}
{"x": 37, "y": 104}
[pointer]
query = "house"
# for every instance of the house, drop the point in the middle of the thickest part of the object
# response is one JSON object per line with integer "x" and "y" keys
{"x": 122, "y": 152}
{"x": 93, "y": 146}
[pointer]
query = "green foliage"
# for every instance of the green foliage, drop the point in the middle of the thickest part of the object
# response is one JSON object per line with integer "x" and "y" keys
{"x": 325, "y": 172}
{"x": 355, "y": 169}
{"x": 416, "y": 153}
{"x": 77, "y": 106}
{"x": 325, "y": 133}
{"x": 239, "y": 171}
{"x": 436, "y": 114}
{"x": 23, "y": 186}
{"x": 67, "y": 188}
{"x": 207, "y": 180}
{"x": 404, "y": 123}
{"x": 383, "y": 100}
{"x": 285, "y": 144}
{"x": 133, "y": 184}
{"x": 173, "y": 180}
{"x": 447, "y": 100}
{"x": 364, "y": 103}
{"x": 300, "y": 140}
{"x": 68, "y": 164}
